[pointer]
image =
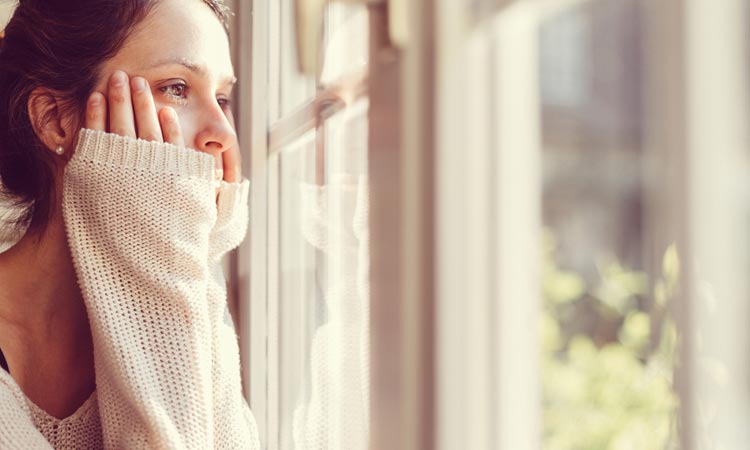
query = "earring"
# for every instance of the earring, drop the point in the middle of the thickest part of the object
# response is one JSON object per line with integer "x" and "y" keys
{"x": 59, "y": 150}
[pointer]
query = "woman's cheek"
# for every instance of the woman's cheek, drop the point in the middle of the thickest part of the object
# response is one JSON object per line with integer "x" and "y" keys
{"x": 230, "y": 117}
{"x": 187, "y": 124}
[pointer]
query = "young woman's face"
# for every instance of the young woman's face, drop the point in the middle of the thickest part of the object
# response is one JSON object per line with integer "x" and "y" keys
{"x": 182, "y": 50}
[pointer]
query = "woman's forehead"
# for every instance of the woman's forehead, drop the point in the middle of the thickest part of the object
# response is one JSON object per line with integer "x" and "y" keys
{"x": 184, "y": 32}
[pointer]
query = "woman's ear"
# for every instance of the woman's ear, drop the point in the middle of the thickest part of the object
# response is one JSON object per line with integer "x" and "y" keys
{"x": 46, "y": 117}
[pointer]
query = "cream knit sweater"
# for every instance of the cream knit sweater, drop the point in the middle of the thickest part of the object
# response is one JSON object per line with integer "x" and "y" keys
{"x": 147, "y": 235}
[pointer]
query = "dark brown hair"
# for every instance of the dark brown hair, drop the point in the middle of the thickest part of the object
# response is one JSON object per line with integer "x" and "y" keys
{"x": 59, "y": 45}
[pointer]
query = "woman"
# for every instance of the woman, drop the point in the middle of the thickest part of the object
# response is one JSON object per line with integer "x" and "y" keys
{"x": 117, "y": 144}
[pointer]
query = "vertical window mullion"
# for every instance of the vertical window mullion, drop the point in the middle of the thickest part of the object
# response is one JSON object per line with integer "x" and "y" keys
{"x": 386, "y": 181}
{"x": 698, "y": 104}
{"x": 273, "y": 319}
{"x": 273, "y": 243}
{"x": 717, "y": 220}
{"x": 274, "y": 65}
{"x": 464, "y": 200}
{"x": 250, "y": 39}
{"x": 517, "y": 217}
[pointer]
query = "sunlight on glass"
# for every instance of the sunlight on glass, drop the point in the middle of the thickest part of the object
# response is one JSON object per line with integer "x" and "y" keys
{"x": 608, "y": 338}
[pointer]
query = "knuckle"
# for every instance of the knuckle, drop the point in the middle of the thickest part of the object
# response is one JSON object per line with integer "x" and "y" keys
{"x": 151, "y": 137}
{"x": 172, "y": 127}
{"x": 118, "y": 96}
{"x": 168, "y": 131}
{"x": 142, "y": 101}
{"x": 93, "y": 114}
{"x": 122, "y": 131}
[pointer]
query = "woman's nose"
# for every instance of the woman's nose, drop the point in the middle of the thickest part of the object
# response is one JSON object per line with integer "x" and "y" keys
{"x": 215, "y": 134}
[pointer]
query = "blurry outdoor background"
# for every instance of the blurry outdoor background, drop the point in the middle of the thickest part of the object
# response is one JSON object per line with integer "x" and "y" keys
{"x": 495, "y": 224}
{"x": 607, "y": 335}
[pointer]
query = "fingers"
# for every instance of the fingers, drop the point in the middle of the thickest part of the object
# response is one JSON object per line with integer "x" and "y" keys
{"x": 96, "y": 112}
{"x": 147, "y": 124}
{"x": 121, "y": 118}
{"x": 232, "y": 165}
{"x": 129, "y": 110}
{"x": 170, "y": 126}
{"x": 232, "y": 159}
{"x": 132, "y": 111}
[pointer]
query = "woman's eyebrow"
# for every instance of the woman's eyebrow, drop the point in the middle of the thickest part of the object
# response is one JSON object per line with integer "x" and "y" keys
{"x": 193, "y": 67}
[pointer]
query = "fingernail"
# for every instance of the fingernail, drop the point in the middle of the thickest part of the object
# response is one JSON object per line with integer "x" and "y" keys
{"x": 95, "y": 99}
{"x": 139, "y": 84}
{"x": 169, "y": 114}
{"x": 119, "y": 78}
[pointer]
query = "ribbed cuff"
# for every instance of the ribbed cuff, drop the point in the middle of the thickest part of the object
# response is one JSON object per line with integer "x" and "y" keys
{"x": 232, "y": 219}
{"x": 157, "y": 157}
{"x": 232, "y": 196}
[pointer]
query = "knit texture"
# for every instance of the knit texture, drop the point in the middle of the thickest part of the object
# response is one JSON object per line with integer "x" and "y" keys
{"x": 335, "y": 415}
{"x": 147, "y": 235}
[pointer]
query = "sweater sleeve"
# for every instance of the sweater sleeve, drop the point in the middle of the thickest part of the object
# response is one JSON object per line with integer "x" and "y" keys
{"x": 234, "y": 423}
{"x": 141, "y": 219}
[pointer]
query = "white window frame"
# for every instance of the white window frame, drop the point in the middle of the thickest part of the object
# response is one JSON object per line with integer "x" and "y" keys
{"x": 248, "y": 36}
{"x": 698, "y": 91}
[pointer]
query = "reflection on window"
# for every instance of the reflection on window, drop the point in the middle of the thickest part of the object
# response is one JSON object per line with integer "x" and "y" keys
{"x": 323, "y": 305}
{"x": 608, "y": 342}
{"x": 296, "y": 88}
{"x": 325, "y": 286}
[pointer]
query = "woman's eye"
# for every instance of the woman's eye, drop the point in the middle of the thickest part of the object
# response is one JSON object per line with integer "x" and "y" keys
{"x": 177, "y": 91}
{"x": 225, "y": 103}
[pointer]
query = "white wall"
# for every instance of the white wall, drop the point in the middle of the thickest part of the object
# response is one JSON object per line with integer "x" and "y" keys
{"x": 6, "y": 9}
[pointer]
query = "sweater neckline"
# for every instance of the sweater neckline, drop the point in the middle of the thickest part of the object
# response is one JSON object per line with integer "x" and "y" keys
{"x": 43, "y": 415}
{"x": 77, "y": 414}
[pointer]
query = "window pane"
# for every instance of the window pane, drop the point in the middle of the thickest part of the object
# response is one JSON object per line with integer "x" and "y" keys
{"x": 301, "y": 304}
{"x": 323, "y": 342}
{"x": 639, "y": 112}
{"x": 324, "y": 288}
{"x": 346, "y": 33}
{"x": 296, "y": 89}
{"x": 610, "y": 260}
{"x": 347, "y": 41}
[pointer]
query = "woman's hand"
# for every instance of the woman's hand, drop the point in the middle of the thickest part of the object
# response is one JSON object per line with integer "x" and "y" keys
{"x": 132, "y": 112}
{"x": 232, "y": 159}
{"x": 129, "y": 110}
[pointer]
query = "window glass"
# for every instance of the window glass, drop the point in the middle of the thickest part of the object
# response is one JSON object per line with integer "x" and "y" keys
{"x": 301, "y": 304}
{"x": 296, "y": 89}
{"x": 323, "y": 277}
{"x": 346, "y": 32}
{"x": 347, "y": 42}
{"x": 610, "y": 264}
{"x": 324, "y": 287}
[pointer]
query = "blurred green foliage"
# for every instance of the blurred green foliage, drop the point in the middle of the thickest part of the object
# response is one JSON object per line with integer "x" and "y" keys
{"x": 608, "y": 351}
